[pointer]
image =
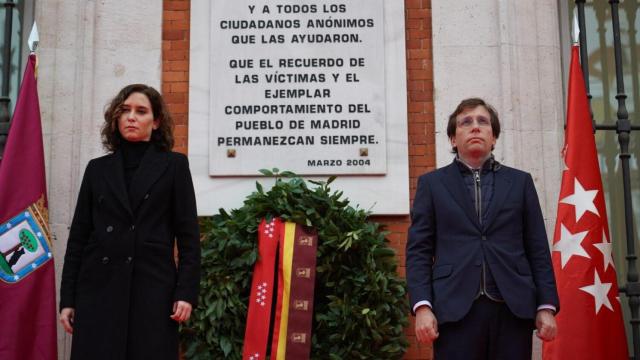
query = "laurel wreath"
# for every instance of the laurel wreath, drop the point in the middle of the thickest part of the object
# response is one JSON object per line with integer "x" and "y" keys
{"x": 360, "y": 307}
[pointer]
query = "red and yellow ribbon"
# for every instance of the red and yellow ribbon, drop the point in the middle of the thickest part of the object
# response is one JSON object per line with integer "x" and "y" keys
{"x": 294, "y": 246}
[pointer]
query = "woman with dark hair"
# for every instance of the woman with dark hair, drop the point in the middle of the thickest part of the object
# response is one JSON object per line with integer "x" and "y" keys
{"x": 123, "y": 291}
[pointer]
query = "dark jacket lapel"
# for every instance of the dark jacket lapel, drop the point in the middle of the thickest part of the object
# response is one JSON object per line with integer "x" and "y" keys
{"x": 454, "y": 183}
{"x": 501, "y": 188}
{"x": 116, "y": 180}
{"x": 153, "y": 164}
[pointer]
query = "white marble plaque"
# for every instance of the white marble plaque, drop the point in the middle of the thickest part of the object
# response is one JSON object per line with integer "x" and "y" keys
{"x": 379, "y": 193}
{"x": 297, "y": 85}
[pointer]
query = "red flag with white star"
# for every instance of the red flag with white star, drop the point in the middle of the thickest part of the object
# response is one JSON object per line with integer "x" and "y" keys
{"x": 590, "y": 324}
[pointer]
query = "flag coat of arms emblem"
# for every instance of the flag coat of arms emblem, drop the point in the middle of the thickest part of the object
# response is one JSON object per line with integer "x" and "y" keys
{"x": 24, "y": 243}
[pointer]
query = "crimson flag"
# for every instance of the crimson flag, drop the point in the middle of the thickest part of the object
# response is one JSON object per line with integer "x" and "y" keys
{"x": 27, "y": 281}
{"x": 590, "y": 324}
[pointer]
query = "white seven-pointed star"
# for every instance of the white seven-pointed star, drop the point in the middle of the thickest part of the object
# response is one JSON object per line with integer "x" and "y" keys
{"x": 582, "y": 199}
{"x": 570, "y": 244}
{"x": 605, "y": 249}
{"x": 599, "y": 291}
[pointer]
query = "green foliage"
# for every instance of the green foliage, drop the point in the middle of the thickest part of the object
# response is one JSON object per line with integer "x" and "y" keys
{"x": 360, "y": 306}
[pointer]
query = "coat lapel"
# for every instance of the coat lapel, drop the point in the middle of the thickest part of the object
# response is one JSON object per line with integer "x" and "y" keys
{"x": 116, "y": 181}
{"x": 501, "y": 188}
{"x": 454, "y": 183}
{"x": 153, "y": 164}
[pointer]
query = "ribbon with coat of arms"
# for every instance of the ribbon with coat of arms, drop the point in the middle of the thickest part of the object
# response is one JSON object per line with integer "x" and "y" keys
{"x": 292, "y": 248}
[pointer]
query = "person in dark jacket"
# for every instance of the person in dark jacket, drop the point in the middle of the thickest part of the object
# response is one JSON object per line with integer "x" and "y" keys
{"x": 123, "y": 292}
{"x": 478, "y": 263}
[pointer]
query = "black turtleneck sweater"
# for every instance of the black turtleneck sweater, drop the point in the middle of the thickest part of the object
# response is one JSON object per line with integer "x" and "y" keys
{"x": 132, "y": 154}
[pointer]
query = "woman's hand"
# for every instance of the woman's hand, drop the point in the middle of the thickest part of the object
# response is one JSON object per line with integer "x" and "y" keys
{"x": 181, "y": 311}
{"x": 66, "y": 319}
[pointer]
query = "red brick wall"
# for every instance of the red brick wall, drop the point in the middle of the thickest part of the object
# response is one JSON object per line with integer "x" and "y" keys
{"x": 175, "y": 86}
{"x": 422, "y": 155}
{"x": 175, "y": 66}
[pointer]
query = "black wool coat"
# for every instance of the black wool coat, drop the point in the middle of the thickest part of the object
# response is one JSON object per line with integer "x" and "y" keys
{"x": 119, "y": 272}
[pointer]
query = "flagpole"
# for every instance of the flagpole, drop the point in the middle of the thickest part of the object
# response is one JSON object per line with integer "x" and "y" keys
{"x": 34, "y": 39}
{"x": 575, "y": 34}
{"x": 584, "y": 56}
{"x": 583, "y": 45}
